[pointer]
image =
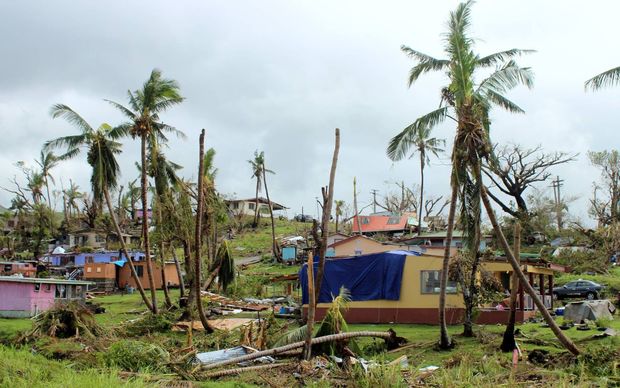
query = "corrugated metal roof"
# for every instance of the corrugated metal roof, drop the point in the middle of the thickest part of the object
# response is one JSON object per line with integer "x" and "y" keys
{"x": 17, "y": 279}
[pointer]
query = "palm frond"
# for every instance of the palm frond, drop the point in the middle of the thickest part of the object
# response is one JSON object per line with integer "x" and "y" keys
{"x": 125, "y": 111}
{"x": 295, "y": 335}
{"x": 399, "y": 146}
{"x": 502, "y": 56}
{"x": 508, "y": 77}
{"x": 608, "y": 78}
{"x": 62, "y": 110}
{"x": 503, "y": 102}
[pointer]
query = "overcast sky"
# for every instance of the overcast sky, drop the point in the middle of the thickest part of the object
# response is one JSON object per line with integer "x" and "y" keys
{"x": 279, "y": 76}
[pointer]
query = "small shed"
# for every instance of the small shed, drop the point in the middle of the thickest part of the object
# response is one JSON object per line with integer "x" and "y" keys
{"x": 27, "y": 297}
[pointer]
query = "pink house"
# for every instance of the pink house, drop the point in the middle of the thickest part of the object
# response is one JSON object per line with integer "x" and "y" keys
{"x": 26, "y": 297}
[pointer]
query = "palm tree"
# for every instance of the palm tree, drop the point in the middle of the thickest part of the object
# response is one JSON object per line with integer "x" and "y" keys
{"x": 145, "y": 105}
{"x": 339, "y": 211}
{"x": 274, "y": 245}
{"x": 101, "y": 149}
{"x": 608, "y": 78}
{"x": 420, "y": 139}
{"x": 468, "y": 104}
{"x": 47, "y": 161}
{"x": 258, "y": 164}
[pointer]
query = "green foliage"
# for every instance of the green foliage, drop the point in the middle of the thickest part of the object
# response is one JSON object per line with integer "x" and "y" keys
{"x": 151, "y": 323}
{"x": 226, "y": 274}
{"x": 380, "y": 376}
{"x": 136, "y": 356}
{"x": 22, "y": 369}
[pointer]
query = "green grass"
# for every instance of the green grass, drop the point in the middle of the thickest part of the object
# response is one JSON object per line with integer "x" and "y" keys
{"x": 20, "y": 368}
{"x": 256, "y": 242}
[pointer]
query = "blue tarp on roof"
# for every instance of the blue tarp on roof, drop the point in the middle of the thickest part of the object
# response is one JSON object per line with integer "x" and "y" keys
{"x": 368, "y": 277}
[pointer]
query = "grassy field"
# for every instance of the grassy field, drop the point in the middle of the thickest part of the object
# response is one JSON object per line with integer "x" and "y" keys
{"x": 473, "y": 362}
{"x": 258, "y": 242}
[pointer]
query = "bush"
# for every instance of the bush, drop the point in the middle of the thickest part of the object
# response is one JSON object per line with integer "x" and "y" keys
{"x": 136, "y": 356}
{"x": 151, "y": 324}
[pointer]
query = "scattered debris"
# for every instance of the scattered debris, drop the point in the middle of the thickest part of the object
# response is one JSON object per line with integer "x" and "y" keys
{"x": 228, "y": 302}
{"x": 219, "y": 324}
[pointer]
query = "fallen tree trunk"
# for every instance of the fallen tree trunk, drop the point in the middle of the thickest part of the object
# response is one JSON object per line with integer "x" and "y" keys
{"x": 295, "y": 345}
{"x": 228, "y": 372}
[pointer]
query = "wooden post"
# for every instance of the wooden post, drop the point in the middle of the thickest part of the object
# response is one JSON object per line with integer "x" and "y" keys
{"x": 311, "y": 307}
{"x": 541, "y": 285}
{"x": 521, "y": 297}
{"x": 551, "y": 289}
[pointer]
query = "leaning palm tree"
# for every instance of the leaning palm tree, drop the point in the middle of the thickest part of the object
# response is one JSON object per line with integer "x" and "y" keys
{"x": 145, "y": 105}
{"x": 257, "y": 165}
{"x": 421, "y": 141}
{"x": 607, "y": 78}
{"x": 466, "y": 102}
{"x": 101, "y": 149}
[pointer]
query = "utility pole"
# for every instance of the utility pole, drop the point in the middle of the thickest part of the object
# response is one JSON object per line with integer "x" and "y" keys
{"x": 374, "y": 199}
{"x": 556, "y": 184}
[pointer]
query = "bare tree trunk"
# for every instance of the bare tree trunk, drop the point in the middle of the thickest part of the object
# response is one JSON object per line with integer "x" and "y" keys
{"x": 179, "y": 273}
{"x": 145, "y": 226}
{"x": 508, "y": 342}
{"x": 255, "y": 223}
{"x": 444, "y": 338}
{"x": 328, "y": 199}
{"x": 164, "y": 281}
{"x": 311, "y": 309}
{"x": 274, "y": 243}
{"x": 134, "y": 274}
{"x": 197, "y": 237}
{"x": 357, "y": 215}
{"x": 190, "y": 273}
{"x": 421, "y": 208}
{"x": 314, "y": 287}
{"x": 565, "y": 341}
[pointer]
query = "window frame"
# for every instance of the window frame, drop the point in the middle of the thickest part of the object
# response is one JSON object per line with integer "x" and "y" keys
{"x": 448, "y": 286}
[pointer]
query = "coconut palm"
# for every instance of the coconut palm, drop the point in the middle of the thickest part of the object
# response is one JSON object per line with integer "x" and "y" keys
{"x": 466, "y": 102}
{"x": 145, "y": 105}
{"x": 47, "y": 161}
{"x": 608, "y": 78}
{"x": 258, "y": 164}
{"x": 339, "y": 211}
{"x": 421, "y": 141}
{"x": 101, "y": 146}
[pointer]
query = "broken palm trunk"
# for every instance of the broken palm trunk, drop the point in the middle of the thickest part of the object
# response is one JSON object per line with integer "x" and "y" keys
{"x": 389, "y": 336}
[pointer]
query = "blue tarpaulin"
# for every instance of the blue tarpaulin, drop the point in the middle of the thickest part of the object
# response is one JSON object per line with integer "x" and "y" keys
{"x": 368, "y": 277}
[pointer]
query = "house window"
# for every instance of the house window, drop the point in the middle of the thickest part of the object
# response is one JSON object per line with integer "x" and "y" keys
{"x": 99, "y": 238}
{"x": 393, "y": 221}
{"x": 89, "y": 259}
{"x": 89, "y": 269}
{"x": 235, "y": 205}
{"x": 431, "y": 283}
{"x": 98, "y": 269}
{"x": 252, "y": 205}
{"x": 8, "y": 267}
{"x": 139, "y": 271}
{"x": 37, "y": 287}
{"x": 48, "y": 287}
{"x": 365, "y": 220}
{"x": 61, "y": 291}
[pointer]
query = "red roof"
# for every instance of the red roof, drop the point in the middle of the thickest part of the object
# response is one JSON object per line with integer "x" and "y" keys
{"x": 380, "y": 223}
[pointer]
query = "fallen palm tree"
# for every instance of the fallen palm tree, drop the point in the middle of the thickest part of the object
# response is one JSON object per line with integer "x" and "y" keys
{"x": 388, "y": 336}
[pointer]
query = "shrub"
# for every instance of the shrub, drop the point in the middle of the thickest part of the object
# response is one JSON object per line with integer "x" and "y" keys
{"x": 150, "y": 324}
{"x": 136, "y": 356}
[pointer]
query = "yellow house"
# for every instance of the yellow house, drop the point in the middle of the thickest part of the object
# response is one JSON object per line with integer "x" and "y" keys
{"x": 419, "y": 293}
{"x": 361, "y": 245}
